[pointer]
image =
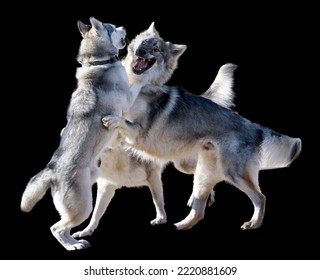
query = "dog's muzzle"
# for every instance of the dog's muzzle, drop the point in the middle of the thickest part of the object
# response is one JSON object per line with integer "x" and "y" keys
{"x": 144, "y": 61}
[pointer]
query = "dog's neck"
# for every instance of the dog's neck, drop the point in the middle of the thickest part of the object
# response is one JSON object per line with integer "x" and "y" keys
{"x": 102, "y": 62}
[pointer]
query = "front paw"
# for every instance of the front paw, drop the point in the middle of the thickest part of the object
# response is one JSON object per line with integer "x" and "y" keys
{"x": 112, "y": 122}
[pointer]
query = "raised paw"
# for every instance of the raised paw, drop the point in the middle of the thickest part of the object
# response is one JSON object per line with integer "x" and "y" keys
{"x": 112, "y": 122}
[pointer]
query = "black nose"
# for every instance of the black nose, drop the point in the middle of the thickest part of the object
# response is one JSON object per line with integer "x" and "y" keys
{"x": 141, "y": 52}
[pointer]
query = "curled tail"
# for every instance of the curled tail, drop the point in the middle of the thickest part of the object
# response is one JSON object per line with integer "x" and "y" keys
{"x": 36, "y": 189}
{"x": 221, "y": 90}
{"x": 278, "y": 150}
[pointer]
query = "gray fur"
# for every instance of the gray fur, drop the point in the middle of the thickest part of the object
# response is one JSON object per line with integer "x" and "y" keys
{"x": 102, "y": 89}
{"x": 228, "y": 146}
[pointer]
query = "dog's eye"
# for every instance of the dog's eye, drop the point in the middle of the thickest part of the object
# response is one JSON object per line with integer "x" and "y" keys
{"x": 156, "y": 49}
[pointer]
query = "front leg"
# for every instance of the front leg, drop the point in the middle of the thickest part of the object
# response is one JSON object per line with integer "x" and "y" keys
{"x": 128, "y": 129}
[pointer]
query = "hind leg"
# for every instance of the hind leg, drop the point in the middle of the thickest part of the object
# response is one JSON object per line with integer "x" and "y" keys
{"x": 61, "y": 231}
{"x": 205, "y": 178}
{"x": 155, "y": 186}
{"x": 74, "y": 208}
{"x": 105, "y": 192}
{"x": 248, "y": 183}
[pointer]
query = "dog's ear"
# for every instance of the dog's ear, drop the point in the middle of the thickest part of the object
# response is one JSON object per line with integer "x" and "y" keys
{"x": 83, "y": 28}
{"x": 96, "y": 25}
{"x": 153, "y": 30}
{"x": 177, "y": 50}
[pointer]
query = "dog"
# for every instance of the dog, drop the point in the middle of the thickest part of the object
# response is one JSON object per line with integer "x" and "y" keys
{"x": 150, "y": 60}
{"x": 224, "y": 145}
{"x": 102, "y": 89}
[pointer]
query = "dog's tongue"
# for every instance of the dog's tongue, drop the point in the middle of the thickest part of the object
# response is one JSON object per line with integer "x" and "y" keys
{"x": 141, "y": 64}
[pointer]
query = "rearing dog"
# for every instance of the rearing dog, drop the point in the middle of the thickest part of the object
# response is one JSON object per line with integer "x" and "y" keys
{"x": 102, "y": 89}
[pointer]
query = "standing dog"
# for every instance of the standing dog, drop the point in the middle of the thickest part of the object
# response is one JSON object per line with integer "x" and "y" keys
{"x": 102, "y": 89}
{"x": 150, "y": 60}
{"x": 175, "y": 125}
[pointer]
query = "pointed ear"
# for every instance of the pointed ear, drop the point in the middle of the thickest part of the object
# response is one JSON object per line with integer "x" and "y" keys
{"x": 178, "y": 50}
{"x": 153, "y": 30}
{"x": 83, "y": 28}
{"x": 96, "y": 25}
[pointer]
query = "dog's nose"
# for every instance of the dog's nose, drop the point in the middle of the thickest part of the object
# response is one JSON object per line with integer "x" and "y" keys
{"x": 141, "y": 52}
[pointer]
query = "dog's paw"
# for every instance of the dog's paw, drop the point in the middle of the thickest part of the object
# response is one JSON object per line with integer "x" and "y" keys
{"x": 159, "y": 221}
{"x": 112, "y": 122}
{"x": 250, "y": 225}
{"x": 79, "y": 245}
{"x": 183, "y": 225}
{"x": 82, "y": 233}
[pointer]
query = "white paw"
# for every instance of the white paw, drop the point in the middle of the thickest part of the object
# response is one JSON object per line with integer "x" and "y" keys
{"x": 179, "y": 226}
{"x": 81, "y": 244}
{"x": 159, "y": 221}
{"x": 183, "y": 225}
{"x": 82, "y": 233}
{"x": 112, "y": 122}
{"x": 250, "y": 225}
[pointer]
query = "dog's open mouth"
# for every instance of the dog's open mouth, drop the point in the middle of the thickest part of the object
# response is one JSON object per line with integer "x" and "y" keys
{"x": 143, "y": 65}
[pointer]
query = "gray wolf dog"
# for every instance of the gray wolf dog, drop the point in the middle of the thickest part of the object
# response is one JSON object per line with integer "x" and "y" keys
{"x": 150, "y": 60}
{"x": 172, "y": 124}
{"x": 102, "y": 89}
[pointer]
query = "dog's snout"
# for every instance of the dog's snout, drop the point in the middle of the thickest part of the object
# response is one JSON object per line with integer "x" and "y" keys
{"x": 141, "y": 52}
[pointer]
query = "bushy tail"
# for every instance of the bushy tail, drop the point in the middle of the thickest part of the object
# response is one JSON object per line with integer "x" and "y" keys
{"x": 279, "y": 151}
{"x": 36, "y": 189}
{"x": 221, "y": 90}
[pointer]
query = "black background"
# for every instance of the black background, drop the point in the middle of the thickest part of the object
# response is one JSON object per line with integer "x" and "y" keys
{"x": 275, "y": 84}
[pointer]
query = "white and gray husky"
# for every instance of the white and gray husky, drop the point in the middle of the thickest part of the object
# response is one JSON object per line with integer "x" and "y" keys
{"x": 172, "y": 124}
{"x": 102, "y": 89}
{"x": 150, "y": 60}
